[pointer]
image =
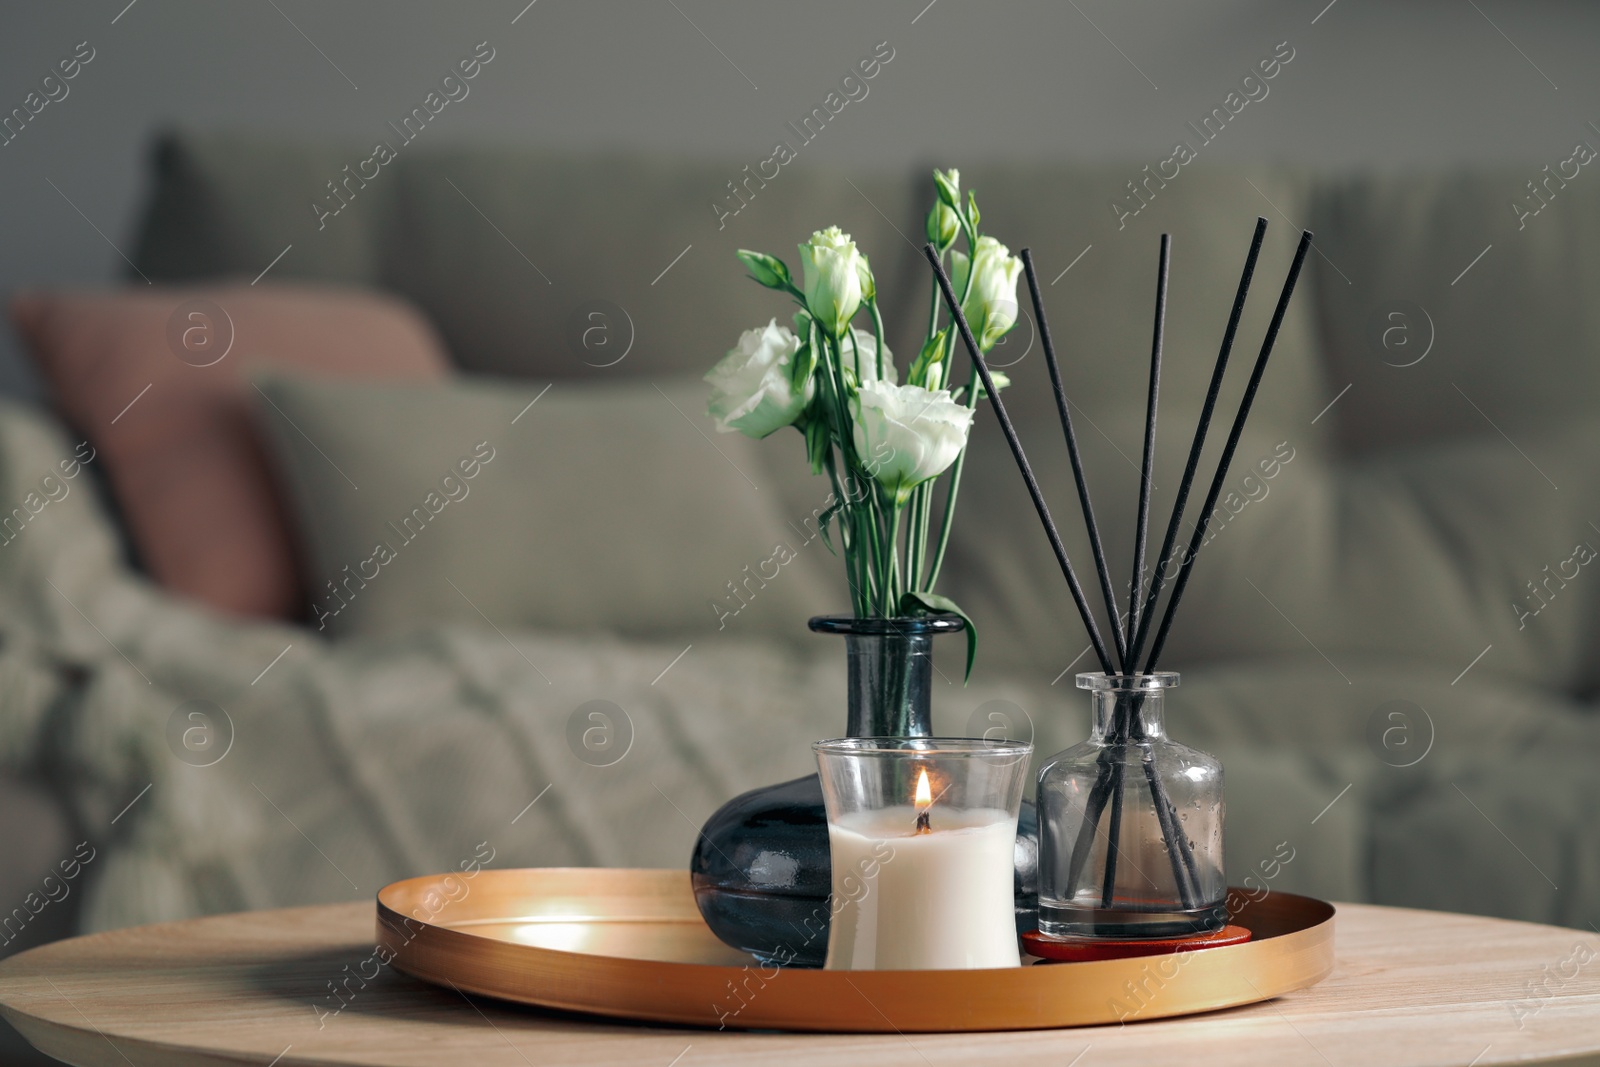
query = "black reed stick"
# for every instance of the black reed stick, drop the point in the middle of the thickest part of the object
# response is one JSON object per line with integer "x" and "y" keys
{"x": 1108, "y": 887}
{"x": 1022, "y": 460}
{"x": 1184, "y": 872}
{"x": 1141, "y": 531}
{"x": 1227, "y": 453}
{"x": 1159, "y": 576}
{"x": 1106, "y": 588}
{"x": 1093, "y": 807}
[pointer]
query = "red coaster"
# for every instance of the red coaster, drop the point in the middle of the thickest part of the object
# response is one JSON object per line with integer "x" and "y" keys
{"x": 1086, "y": 949}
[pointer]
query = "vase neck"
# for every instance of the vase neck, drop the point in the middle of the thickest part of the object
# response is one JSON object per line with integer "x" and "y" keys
{"x": 890, "y": 671}
{"x": 890, "y": 685}
{"x": 1120, "y": 715}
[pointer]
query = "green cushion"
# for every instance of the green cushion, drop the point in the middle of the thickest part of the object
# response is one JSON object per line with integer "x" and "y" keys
{"x": 1513, "y": 338}
{"x": 230, "y": 204}
{"x": 599, "y": 508}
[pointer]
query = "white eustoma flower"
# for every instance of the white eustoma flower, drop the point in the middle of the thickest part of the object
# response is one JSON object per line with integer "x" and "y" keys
{"x": 863, "y": 358}
{"x": 905, "y": 434}
{"x": 991, "y": 306}
{"x": 834, "y": 271}
{"x": 751, "y": 389}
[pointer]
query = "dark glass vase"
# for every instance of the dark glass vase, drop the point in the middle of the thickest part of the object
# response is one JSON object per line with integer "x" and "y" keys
{"x": 761, "y": 868}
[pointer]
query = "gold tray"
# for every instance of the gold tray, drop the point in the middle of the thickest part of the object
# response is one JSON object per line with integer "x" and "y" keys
{"x": 631, "y": 944}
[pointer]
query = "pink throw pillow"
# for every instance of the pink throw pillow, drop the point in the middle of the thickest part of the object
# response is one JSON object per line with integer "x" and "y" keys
{"x": 158, "y": 381}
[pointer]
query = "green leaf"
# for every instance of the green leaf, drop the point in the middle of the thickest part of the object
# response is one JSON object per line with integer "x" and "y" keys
{"x": 822, "y": 524}
{"x": 934, "y": 604}
{"x": 818, "y": 441}
{"x": 805, "y": 361}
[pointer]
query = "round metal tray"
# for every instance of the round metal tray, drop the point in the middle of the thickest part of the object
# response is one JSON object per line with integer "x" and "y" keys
{"x": 631, "y": 944}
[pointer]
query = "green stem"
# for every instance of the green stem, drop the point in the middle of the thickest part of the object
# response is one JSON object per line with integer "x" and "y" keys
{"x": 915, "y": 539}
{"x": 872, "y": 513}
{"x": 972, "y": 403}
{"x": 877, "y": 336}
{"x": 923, "y": 517}
{"x": 950, "y": 499}
{"x": 864, "y": 547}
{"x": 847, "y": 540}
{"x": 892, "y": 571}
{"x": 944, "y": 524}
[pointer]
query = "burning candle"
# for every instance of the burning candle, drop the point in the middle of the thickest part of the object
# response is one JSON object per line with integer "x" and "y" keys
{"x": 923, "y": 873}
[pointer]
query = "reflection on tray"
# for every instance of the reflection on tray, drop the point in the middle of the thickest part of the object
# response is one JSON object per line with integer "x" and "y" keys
{"x": 667, "y": 938}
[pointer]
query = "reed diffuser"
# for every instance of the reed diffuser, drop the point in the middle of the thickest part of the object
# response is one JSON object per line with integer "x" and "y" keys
{"x": 1130, "y": 831}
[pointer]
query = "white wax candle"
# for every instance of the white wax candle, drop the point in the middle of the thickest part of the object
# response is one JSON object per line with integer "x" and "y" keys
{"x": 935, "y": 901}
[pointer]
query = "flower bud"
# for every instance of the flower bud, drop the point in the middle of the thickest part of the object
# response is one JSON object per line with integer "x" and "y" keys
{"x": 833, "y": 275}
{"x": 869, "y": 284}
{"x": 991, "y": 303}
{"x": 925, "y": 368}
{"x": 770, "y": 271}
{"x": 942, "y": 226}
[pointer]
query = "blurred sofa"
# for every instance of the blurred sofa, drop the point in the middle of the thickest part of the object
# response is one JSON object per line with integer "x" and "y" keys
{"x": 1385, "y": 640}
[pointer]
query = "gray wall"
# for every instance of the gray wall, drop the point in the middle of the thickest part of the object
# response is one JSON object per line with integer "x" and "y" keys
{"x": 1397, "y": 85}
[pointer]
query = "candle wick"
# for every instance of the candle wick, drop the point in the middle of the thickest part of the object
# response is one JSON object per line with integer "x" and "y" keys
{"x": 922, "y": 822}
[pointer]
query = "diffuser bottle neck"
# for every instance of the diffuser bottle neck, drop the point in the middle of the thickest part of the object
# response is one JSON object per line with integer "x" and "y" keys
{"x": 1122, "y": 715}
{"x": 1128, "y": 707}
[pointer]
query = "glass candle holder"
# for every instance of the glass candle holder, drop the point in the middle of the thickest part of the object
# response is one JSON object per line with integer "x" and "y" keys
{"x": 921, "y": 833}
{"x": 1130, "y": 823}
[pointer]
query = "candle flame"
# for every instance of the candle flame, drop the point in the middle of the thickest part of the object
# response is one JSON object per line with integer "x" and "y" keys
{"x": 924, "y": 801}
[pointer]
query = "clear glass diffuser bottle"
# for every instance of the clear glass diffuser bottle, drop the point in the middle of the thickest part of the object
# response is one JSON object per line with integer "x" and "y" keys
{"x": 1130, "y": 823}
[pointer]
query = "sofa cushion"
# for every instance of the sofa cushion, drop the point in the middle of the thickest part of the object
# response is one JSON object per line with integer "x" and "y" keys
{"x": 229, "y": 203}
{"x": 154, "y": 379}
{"x": 558, "y": 266}
{"x": 1435, "y": 341}
{"x": 1440, "y": 553}
{"x": 597, "y": 507}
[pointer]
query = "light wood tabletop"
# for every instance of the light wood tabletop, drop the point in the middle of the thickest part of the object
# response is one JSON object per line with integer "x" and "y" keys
{"x": 1410, "y": 987}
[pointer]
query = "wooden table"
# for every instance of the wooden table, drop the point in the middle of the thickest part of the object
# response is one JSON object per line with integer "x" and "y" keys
{"x": 1411, "y": 987}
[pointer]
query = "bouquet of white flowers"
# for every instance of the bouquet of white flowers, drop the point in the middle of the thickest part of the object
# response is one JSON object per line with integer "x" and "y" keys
{"x": 883, "y": 444}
